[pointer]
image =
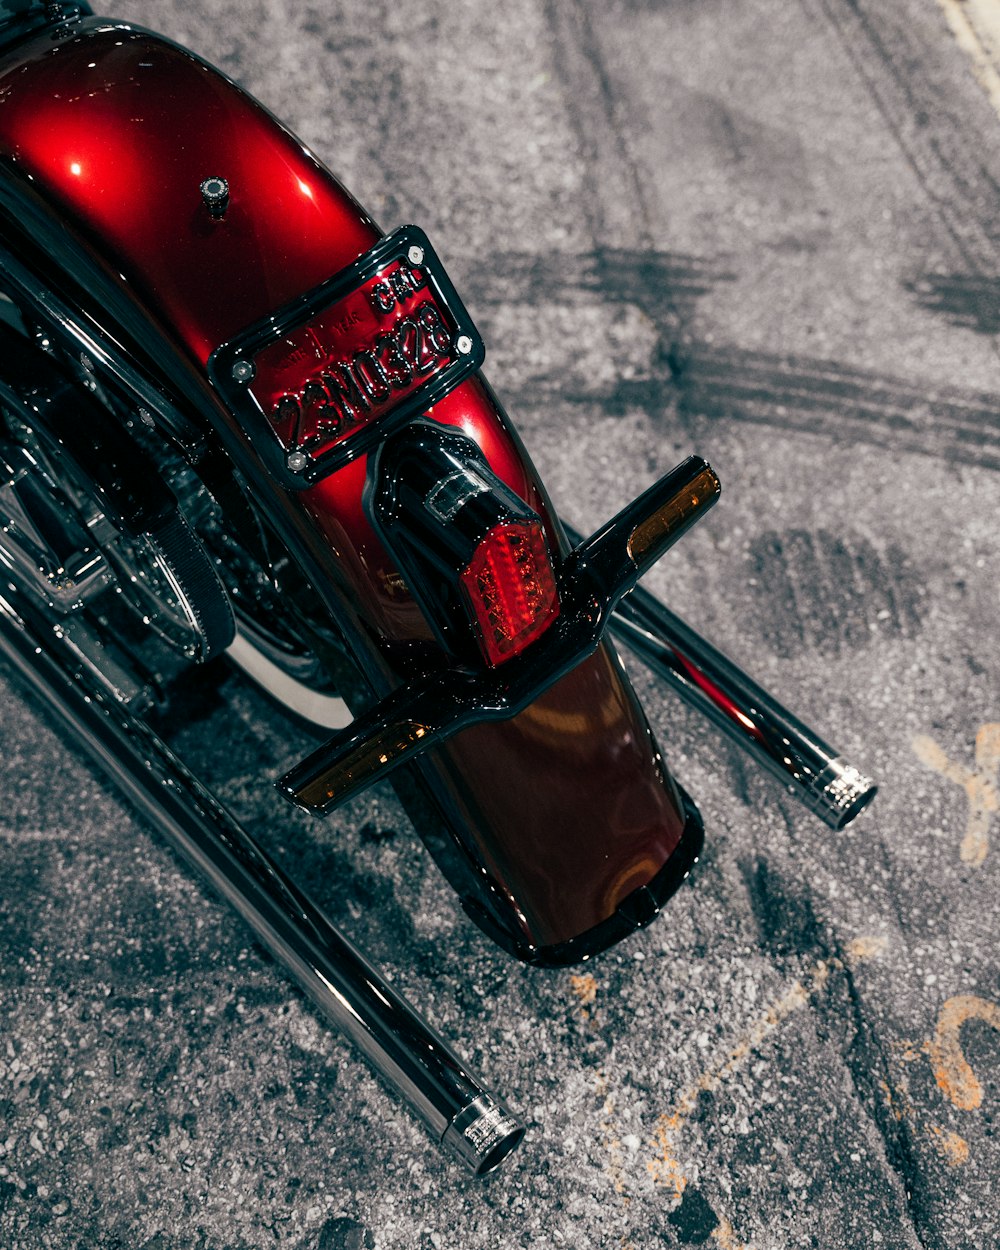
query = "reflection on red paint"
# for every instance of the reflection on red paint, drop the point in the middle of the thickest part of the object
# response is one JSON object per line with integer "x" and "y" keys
{"x": 121, "y": 163}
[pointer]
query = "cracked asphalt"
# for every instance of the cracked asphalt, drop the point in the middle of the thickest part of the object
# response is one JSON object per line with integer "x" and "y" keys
{"x": 764, "y": 232}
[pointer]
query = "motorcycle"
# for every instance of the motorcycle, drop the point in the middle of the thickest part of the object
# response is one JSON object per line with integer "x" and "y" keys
{"x": 238, "y": 419}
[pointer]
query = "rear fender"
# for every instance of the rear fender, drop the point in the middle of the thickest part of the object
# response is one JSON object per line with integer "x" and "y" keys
{"x": 106, "y": 134}
{"x": 114, "y": 129}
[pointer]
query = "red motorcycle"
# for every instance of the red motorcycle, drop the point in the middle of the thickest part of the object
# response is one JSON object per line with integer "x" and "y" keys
{"x": 237, "y": 417}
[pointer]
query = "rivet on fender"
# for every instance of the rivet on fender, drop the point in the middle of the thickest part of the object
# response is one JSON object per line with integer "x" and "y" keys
{"x": 215, "y": 193}
{"x": 243, "y": 371}
{"x": 297, "y": 461}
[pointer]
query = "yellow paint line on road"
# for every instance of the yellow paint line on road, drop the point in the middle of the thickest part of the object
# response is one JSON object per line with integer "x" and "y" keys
{"x": 665, "y": 1168}
{"x": 976, "y": 27}
{"x": 980, "y": 786}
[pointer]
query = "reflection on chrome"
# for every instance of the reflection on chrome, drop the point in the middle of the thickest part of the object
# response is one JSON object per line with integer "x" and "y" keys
{"x": 401, "y": 1047}
{"x": 813, "y": 772}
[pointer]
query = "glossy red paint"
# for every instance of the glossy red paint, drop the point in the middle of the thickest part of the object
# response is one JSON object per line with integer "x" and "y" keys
{"x": 586, "y": 814}
{"x": 566, "y": 805}
{"x": 119, "y": 128}
{"x": 322, "y": 383}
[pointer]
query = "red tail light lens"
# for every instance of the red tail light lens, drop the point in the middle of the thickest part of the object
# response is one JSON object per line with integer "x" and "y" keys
{"x": 510, "y": 586}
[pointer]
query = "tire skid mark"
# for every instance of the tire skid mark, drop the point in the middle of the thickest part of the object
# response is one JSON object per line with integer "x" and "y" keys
{"x": 944, "y": 157}
{"x": 615, "y": 202}
{"x": 966, "y": 300}
{"x": 800, "y": 395}
{"x": 726, "y": 383}
{"x": 750, "y": 387}
{"x": 829, "y": 592}
{"x": 661, "y": 283}
{"x": 825, "y": 398}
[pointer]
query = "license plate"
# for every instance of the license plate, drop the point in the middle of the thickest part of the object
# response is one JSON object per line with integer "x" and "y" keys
{"x": 375, "y": 345}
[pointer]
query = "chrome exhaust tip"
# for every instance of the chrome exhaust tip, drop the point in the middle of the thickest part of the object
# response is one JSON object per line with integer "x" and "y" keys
{"x": 483, "y": 1134}
{"x": 838, "y": 793}
{"x": 412, "y": 1059}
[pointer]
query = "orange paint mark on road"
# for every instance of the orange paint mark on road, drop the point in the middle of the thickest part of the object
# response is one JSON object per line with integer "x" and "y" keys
{"x": 612, "y": 1141}
{"x": 614, "y": 1169}
{"x": 868, "y": 946}
{"x": 665, "y": 1167}
{"x": 954, "y": 1148}
{"x": 897, "y": 1101}
{"x": 980, "y": 786}
{"x": 725, "y": 1236}
{"x": 585, "y": 988}
{"x": 951, "y": 1068}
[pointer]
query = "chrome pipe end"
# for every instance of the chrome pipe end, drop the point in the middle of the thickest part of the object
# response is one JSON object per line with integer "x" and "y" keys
{"x": 839, "y": 793}
{"x": 483, "y": 1134}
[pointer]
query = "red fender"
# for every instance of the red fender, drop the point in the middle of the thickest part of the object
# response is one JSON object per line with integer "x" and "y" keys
{"x": 110, "y": 130}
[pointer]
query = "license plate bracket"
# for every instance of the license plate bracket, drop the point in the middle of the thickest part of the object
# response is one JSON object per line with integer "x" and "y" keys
{"x": 322, "y": 380}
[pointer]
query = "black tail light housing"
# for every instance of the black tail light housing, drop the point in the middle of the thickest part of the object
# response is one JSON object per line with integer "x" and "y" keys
{"x": 474, "y": 555}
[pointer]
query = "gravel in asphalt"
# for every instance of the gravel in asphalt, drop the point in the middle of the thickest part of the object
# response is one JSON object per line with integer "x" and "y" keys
{"x": 763, "y": 232}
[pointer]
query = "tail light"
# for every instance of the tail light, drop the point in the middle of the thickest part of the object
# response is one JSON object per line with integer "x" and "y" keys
{"x": 510, "y": 589}
{"x": 474, "y": 555}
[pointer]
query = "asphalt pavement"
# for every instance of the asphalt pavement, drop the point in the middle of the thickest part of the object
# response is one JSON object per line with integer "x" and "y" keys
{"x": 763, "y": 232}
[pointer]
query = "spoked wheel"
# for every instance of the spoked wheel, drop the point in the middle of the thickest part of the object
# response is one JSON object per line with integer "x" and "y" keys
{"x": 79, "y": 538}
{"x": 167, "y": 580}
{"x": 65, "y": 536}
